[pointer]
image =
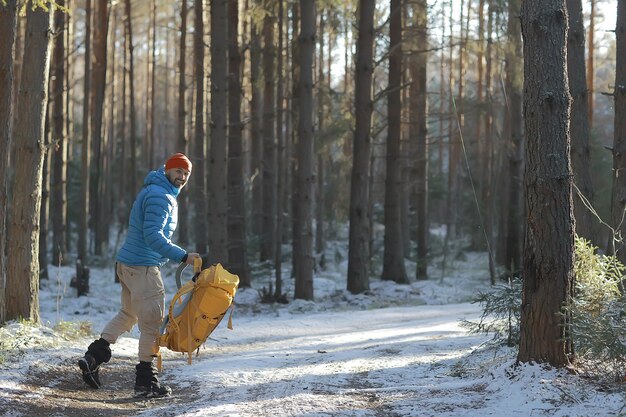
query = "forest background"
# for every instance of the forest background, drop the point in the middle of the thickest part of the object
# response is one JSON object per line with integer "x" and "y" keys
{"x": 395, "y": 117}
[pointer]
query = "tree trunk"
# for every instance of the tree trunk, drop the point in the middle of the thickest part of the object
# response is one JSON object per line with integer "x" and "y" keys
{"x": 183, "y": 224}
{"x": 135, "y": 184}
{"x": 591, "y": 50}
{"x": 321, "y": 115}
{"x": 44, "y": 212}
{"x": 617, "y": 245}
{"x": 306, "y": 176}
{"x": 393, "y": 261}
{"x": 58, "y": 203}
{"x": 579, "y": 122}
{"x": 419, "y": 132}
{"x": 236, "y": 200}
{"x": 280, "y": 157}
{"x": 150, "y": 133}
{"x": 453, "y": 149}
{"x": 256, "y": 148}
{"x": 288, "y": 136}
{"x": 22, "y": 293}
{"x": 319, "y": 212}
{"x": 111, "y": 185}
{"x": 101, "y": 30}
{"x": 549, "y": 242}
{"x": 123, "y": 141}
{"x": 70, "y": 65}
{"x": 165, "y": 124}
{"x": 199, "y": 197}
{"x": 489, "y": 194}
{"x": 438, "y": 209}
{"x": 218, "y": 197}
{"x": 8, "y": 26}
{"x": 17, "y": 62}
{"x": 291, "y": 149}
{"x": 514, "y": 85}
{"x": 268, "y": 163}
{"x": 480, "y": 98}
{"x": 147, "y": 145}
{"x": 83, "y": 222}
{"x": 358, "y": 249}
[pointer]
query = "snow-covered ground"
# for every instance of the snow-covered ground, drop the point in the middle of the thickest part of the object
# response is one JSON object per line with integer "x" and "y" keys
{"x": 396, "y": 351}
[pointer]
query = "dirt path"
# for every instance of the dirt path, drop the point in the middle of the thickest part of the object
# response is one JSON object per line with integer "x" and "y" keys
{"x": 58, "y": 390}
{"x": 389, "y": 362}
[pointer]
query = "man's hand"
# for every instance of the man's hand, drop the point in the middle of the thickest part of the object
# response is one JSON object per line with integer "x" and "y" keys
{"x": 190, "y": 257}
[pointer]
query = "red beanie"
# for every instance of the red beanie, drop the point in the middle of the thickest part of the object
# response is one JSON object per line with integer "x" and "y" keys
{"x": 178, "y": 160}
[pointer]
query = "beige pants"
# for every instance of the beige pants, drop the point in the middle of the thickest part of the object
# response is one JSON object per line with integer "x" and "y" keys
{"x": 143, "y": 303}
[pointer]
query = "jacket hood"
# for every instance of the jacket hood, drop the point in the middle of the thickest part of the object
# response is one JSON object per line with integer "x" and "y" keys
{"x": 158, "y": 178}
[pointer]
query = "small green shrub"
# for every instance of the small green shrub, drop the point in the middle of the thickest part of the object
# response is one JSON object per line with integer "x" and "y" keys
{"x": 598, "y": 311}
{"x": 501, "y": 313}
{"x": 598, "y": 278}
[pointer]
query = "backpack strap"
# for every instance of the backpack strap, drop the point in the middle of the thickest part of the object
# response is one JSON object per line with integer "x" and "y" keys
{"x": 189, "y": 345}
{"x": 156, "y": 352}
{"x": 230, "y": 317}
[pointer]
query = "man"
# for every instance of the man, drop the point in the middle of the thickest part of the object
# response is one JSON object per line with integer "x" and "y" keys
{"x": 147, "y": 247}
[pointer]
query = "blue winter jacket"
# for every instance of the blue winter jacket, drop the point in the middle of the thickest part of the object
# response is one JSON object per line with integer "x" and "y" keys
{"x": 153, "y": 219}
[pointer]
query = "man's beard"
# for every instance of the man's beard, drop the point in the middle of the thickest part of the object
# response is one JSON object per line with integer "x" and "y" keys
{"x": 177, "y": 182}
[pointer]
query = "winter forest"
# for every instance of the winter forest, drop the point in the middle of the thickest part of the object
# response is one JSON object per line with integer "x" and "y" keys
{"x": 411, "y": 132}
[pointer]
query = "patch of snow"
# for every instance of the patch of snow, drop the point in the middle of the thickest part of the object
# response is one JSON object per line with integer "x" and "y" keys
{"x": 396, "y": 350}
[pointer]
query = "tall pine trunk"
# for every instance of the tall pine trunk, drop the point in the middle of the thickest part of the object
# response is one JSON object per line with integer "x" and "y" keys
{"x": 358, "y": 249}
{"x": 23, "y": 265}
{"x": 133, "y": 186}
{"x": 236, "y": 200}
{"x": 101, "y": 29}
{"x": 70, "y": 65}
{"x": 291, "y": 149}
{"x": 579, "y": 121}
{"x": 617, "y": 245}
{"x": 153, "y": 71}
{"x": 268, "y": 163}
{"x": 590, "y": 59}
{"x": 419, "y": 132}
{"x": 182, "y": 146}
{"x": 320, "y": 205}
{"x": 44, "y": 211}
{"x": 198, "y": 186}
{"x": 549, "y": 241}
{"x": 453, "y": 147}
{"x": 256, "y": 149}
{"x": 8, "y": 26}
{"x": 59, "y": 137}
{"x": 488, "y": 189}
{"x": 514, "y": 85}
{"x": 393, "y": 260}
{"x": 280, "y": 155}
{"x": 218, "y": 197}
{"x": 306, "y": 176}
{"x": 83, "y": 220}
{"x": 123, "y": 138}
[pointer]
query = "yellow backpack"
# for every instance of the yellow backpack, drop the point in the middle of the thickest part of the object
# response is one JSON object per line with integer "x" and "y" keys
{"x": 197, "y": 309}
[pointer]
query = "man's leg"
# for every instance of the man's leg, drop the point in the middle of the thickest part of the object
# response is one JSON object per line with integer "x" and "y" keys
{"x": 99, "y": 351}
{"x": 150, "y": 309}
{"x": 126, "y": 318}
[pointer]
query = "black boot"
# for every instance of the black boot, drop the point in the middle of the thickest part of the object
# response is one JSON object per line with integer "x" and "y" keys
{"x": 147, "y": 382}
{"x": 97, "y": 353}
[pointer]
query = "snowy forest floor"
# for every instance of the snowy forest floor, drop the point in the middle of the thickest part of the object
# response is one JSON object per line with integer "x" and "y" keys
{"x": 398, "y": 350}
